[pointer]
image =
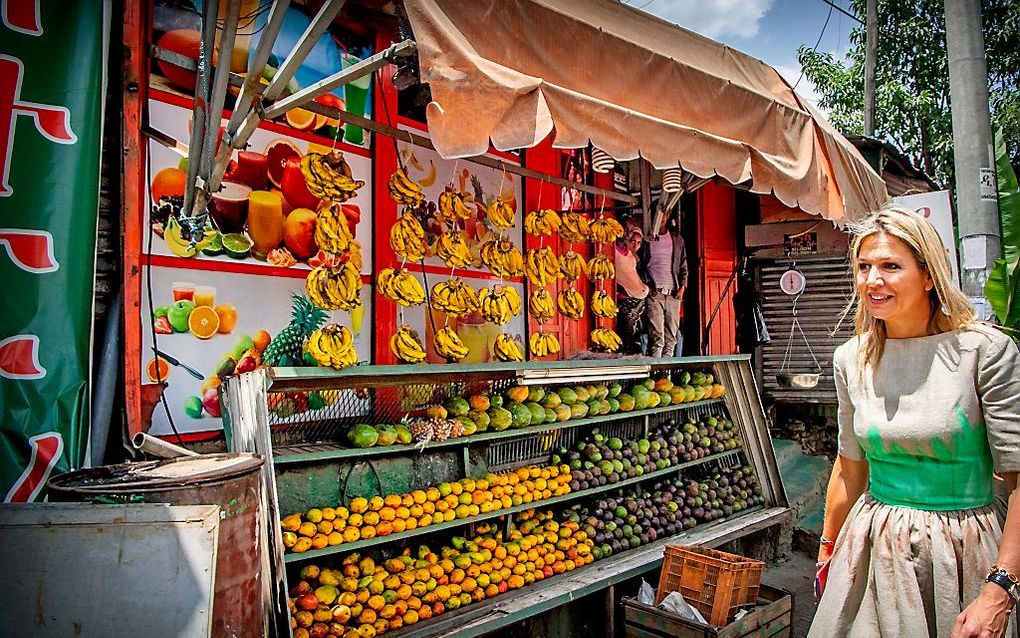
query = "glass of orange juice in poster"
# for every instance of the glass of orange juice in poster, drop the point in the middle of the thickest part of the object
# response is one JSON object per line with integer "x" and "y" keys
{"x": 478, "y": 336}
{"x": 183, "y": 291}
{"x": 265, "y": 221}
{"x": 205, "y": 296}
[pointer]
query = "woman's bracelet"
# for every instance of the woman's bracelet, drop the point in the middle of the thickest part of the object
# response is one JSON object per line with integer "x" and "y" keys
{"x": 1006, "y": 580}
{"x": 826, "y": 542}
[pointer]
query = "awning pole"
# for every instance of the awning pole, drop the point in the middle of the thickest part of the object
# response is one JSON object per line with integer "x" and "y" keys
{"x": 301, "y": 50}
{"x": 199, "y": 112}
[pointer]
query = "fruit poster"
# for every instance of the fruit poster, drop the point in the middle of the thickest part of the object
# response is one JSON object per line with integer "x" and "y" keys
{"x": 49, "y": 196}
{"x": 209, "y": 324}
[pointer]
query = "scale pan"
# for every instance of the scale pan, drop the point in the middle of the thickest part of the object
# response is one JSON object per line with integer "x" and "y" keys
{"x": 802, "y": 381}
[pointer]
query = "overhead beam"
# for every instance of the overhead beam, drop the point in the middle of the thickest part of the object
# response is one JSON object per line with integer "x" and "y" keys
{"x": 304, "y": 46}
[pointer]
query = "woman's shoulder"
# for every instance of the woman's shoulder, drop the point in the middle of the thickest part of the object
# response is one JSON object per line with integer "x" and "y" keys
{"x": 848, "y": 353}
{"x": 984, "y": 338}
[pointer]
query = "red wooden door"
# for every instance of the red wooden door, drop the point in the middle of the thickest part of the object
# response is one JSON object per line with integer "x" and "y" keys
{"x": 717, "y": 221}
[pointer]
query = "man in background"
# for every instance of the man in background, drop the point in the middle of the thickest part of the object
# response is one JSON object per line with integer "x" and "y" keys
{"x": 631, "y": 291}
{"x": 662, "y": 262}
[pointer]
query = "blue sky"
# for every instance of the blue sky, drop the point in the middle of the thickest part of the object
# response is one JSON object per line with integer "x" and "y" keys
{"x": 771, "y": 30}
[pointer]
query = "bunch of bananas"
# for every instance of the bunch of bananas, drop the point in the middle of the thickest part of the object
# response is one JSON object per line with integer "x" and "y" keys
{"x": 335, "y": 288}
{"x": 332, "y": 233}
{"x": 407, "y": 238}
{"x": 542, "y": 222}
{"x": 503, "y": 258}
{"x": 605, "y": 230}
{"x": 328, "y": 176}
{"x": 406, "y": 345}
{"x": 542, "y": 267}
{"x": 571, "y": 304}
{"x": 601, "y": 267}
{"x": 452, "y": 207}
{"x": 499, "y": 304}
{"x": 506, "y": 349}
{"x": 603, "y": 305}
{"x": 452, "y": 248}
{"x": 400, "y": 286}
{"x": 332, "y": 346}
{"x": 449, "y": 346}
{"x": 404, "y": 190}
{"x": 500, "y": 213}
{"x": 543, "y": 343}
{"x": 574, "y": 228}
{"x": 572, "y": 266}
{"x": 605, "y": 339}
{"x": 541, "y": 305}
{"x": 454, "y": 297}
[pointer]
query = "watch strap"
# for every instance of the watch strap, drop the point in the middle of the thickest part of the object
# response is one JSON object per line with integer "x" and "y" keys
{"x": 1002, "y": 578}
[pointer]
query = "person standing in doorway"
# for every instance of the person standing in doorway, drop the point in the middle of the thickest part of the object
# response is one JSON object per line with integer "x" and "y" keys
{"x": 662, "y": 262}
{"x": 631, "y": 292}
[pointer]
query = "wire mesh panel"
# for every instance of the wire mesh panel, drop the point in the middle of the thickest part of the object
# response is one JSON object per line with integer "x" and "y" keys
{"x": 536, "y": 447}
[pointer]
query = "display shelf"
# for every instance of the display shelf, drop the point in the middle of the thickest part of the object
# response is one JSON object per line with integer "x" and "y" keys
{"x": 419, "y": 531}
{"x": 325, "y": 452}
{"x": 490, "y": 615}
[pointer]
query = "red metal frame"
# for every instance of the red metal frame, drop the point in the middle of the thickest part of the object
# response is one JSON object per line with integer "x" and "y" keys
{"x": 717, "y": 244}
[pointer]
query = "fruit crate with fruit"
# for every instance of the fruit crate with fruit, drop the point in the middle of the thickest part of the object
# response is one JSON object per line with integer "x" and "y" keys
{"x": 411, "y": 499}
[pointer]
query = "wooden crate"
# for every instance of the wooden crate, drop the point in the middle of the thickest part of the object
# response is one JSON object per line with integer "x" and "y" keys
{"x": 716, "y": 583}
{"x": 770, "y": 619}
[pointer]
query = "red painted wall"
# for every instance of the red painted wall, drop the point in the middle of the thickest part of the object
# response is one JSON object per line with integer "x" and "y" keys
{"x": 717, "y": 245}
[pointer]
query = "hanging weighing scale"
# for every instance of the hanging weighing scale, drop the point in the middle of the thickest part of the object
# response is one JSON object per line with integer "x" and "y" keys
{"x": 792, "y": 282}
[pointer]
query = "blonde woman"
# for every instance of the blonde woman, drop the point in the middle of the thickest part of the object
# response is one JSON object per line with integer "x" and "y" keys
{"x": 915, "y": 542}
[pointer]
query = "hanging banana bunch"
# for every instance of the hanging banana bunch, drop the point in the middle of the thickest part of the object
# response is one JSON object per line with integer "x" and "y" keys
{"x": 543, "y": 343}
{"x": 499, "y": 304}
{"x": 400, "y": 286}
{"x": 500, "y": 213}
{"x": 506, "y": 349}
{"x": 454, "y": 297}
{"x": 574, "y": 228}
{"x": 403, "y": 190}
{"x": 605, "y": 230}
{"x": 332, "y": 346}
{"x": 542, "y": 267}
{"x": 449, "y": 346}
{"x": 572, "y": 266}
{"x": 335, "y": 288}
{"x": 542, "y": 222}
{"x": 453, "y": 249}
{"x": 503, "y": 258}
{"x": 451, "y": 207}
{"x": 407, "y": 238}
{"x": 571, "y": 304}
{"x": 603, "y": 305}
{"x": 406, "y": 345}
{"x": 605, "y": 339}
{"x": 328, "y": 176}
{"x": 601, "y": 267}
{"x": 332, "y": 233}
{"x": 541, "y": 305}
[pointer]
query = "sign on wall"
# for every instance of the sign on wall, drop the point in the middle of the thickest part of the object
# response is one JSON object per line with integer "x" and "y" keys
{"x": 937, "y": 208}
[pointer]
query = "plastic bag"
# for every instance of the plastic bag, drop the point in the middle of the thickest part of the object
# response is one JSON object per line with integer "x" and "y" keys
{"x": 676, "y": 604}
{"x": 646, "y": 595}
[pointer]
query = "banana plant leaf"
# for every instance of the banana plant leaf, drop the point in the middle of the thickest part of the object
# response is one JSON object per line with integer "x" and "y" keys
{"x": 1009, "y": 202}
{"x": 1003, "y": 293}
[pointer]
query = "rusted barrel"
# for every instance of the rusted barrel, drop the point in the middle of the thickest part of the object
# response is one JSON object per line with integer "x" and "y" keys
{"x": 228, "y": 480}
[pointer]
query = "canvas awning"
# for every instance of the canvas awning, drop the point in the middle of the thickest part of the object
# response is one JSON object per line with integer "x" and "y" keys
{"x": 510, "y": 72}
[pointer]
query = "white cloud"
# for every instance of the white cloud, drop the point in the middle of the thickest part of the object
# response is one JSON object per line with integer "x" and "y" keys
{"x": 712, "y": 18}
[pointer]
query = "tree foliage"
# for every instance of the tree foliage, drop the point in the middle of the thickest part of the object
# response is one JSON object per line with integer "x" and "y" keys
{"x": 912, "y": 100}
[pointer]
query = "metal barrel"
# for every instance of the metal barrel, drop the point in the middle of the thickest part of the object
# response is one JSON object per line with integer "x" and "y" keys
{"x": 228, "y": 480}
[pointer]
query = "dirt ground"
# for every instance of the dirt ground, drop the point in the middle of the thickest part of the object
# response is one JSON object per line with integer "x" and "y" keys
{"x": 796, "y": 574}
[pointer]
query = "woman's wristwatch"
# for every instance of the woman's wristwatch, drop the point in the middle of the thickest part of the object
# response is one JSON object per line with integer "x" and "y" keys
{"x": 1006, "y": 580}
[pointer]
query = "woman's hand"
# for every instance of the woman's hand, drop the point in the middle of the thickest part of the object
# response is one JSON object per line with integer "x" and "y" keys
{"x": 986, "y": 617}
{"x": 822, "y": 569}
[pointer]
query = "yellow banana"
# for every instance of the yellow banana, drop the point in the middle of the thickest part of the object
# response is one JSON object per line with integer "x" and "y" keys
{"x": 571, "y": 304}
{"x": 452, "y": 248}
{"x": 407, "y": 238}
{"x": 605, "y": 230}
{"x": 500, "y": 213}
{"x": 506, "y": 349}
{"x": 449, "y": 346}
{"x": 603, "y": 305}
{"x": 574, "y": 228}
{"x": 541, "y": 305}
{"x": 406, "y": 346}
{"x": 542, "y": 222}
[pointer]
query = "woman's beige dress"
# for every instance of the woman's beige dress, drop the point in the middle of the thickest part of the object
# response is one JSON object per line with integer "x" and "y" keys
{"x": 937, "y": 418}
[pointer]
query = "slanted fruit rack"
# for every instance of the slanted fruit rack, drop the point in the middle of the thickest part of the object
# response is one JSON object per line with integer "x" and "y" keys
{"x": 316, "y": 468}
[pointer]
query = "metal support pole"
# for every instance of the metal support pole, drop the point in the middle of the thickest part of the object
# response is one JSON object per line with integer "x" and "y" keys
{"x": 200, "y": 112}
{"x": 870, "y": 57}
{"x": 976, "y": 198}
{"x": 304, "y": 46}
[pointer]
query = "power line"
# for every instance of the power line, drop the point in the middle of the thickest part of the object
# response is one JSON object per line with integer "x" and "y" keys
{"x": 831, "y": 6}
{"x": 843, "y": 11}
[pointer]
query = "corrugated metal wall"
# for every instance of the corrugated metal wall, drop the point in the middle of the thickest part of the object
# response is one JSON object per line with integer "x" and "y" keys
{"x": 818, "y": 309}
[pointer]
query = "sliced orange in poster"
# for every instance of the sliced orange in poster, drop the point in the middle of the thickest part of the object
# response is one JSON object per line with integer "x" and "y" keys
{"x": 158, "y": 370}
{"x": 203, "y": 322}
{"x": 301, "y": 119}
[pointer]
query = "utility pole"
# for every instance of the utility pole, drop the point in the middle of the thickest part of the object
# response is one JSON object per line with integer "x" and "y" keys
{"x": 870, "y": 56}
{"x": 976, "y": 199}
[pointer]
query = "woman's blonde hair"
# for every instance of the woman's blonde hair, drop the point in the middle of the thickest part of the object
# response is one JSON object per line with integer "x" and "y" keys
{"x": 949, "y": 307}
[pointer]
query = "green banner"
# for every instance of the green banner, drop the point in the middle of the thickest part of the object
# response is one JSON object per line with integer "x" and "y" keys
{"x": 51, "y": 98}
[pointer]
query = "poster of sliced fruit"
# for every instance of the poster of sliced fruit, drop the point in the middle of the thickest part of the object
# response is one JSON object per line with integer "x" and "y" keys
{"x": 265, "y": 214}
{"x": 466, "y": 222}
{"x": 208, "y": 324}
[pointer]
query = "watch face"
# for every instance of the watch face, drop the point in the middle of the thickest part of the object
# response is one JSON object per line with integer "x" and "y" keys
{"x": 792, "y": 282}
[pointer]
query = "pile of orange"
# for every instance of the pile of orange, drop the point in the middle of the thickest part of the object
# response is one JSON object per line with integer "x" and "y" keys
{"x": 362, "y": 598}
{"x": 394, "y": 513}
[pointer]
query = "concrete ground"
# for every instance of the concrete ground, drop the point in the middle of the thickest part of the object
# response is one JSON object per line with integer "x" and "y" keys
{"x": 796, "y": 574}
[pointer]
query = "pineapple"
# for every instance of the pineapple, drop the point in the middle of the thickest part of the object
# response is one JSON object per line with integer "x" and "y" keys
{"x": 286, "y": 347}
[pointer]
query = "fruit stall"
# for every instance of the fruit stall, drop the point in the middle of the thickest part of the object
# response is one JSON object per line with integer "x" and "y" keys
{"x": 457, "y": 500}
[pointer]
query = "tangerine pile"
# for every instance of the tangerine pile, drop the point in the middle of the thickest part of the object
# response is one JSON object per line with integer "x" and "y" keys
{"x": 363, "y": 598}
{"x": 394, "y": 513}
